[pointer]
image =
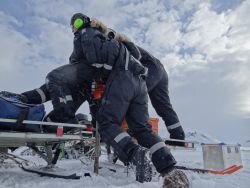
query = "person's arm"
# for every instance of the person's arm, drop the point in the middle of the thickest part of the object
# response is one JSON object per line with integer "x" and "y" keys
{"x": 132, "y": 48}
{"x": 99, "y": 51}
{"x": 73, "y": 58}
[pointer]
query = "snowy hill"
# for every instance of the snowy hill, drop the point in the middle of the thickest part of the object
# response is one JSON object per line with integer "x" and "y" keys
{"x": 245, "y": 145}
{"x": 201, "y": 137}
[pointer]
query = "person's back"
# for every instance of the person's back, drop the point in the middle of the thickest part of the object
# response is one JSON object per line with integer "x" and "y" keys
{"x": 155, "y": 68}
{"x": 157, "y": 85}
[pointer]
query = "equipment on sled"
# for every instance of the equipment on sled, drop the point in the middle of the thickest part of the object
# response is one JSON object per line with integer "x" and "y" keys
{"x": 12, "y": 106}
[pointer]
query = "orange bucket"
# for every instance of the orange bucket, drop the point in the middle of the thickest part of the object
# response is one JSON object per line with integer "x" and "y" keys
{"x": 152, "y": 121}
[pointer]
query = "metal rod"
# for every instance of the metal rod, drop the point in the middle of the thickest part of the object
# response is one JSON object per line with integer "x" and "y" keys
{"x": 43, "y": 123}
{"x": 97, "y": 150}
{"x": 177, "y": 140}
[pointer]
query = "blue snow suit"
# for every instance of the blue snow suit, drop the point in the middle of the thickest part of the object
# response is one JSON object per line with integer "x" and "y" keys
{"x": 157, "y": 84}
{"x": 125, "y": 96}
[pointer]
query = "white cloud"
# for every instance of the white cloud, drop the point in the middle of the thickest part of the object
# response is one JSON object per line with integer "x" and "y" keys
{"x": 14, "y": 46}
{"x": 53, "y": 40}
{"x": 206, "y": 29}
{"x": 25, "y": 58}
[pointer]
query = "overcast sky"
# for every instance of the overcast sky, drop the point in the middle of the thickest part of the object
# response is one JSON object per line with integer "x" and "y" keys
{"x": 203, "y": 44}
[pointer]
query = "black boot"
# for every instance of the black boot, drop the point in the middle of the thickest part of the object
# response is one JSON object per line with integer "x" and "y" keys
{"x": 174, "y": 178}
{"x": 142, "y": 164}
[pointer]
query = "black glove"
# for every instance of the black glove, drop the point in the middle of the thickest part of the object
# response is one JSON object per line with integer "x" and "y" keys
{"x": 176, "y": 133}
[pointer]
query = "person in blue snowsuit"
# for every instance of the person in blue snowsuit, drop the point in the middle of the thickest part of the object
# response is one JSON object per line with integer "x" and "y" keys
{"x": 157, "y": 85}
{"x": 157, "y": 82}
{"x": 69, "y": 85}
{"x": 67, "y": 90}
{"x": 125, "y": 96}
{"x": 110, "y": 61}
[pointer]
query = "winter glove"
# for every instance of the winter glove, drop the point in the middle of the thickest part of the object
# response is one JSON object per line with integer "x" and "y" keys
{"x": 176, "y": 133}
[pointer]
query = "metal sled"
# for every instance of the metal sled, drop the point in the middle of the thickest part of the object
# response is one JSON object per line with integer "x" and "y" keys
{"x": 16, "y": 139}
{"x": 48, "y": 140}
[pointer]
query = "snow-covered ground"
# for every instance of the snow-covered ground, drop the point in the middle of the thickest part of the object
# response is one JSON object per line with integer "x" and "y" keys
{"x": 16, "y": 178}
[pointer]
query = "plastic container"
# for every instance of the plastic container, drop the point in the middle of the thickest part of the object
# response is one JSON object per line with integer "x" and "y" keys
{"x": 221, "y": 156}
{"x": 152, "y": 121}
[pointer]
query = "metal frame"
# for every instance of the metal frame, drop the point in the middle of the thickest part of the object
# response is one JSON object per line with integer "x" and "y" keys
{"x": 32, "y": 140}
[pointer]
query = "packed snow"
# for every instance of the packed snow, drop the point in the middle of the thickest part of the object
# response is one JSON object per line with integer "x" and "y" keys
{"x": 12, "y": 176}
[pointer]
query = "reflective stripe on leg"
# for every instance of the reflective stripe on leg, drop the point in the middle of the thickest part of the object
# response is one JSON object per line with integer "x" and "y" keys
{"x": 174, "y": 126}
{"x": 121, "y": 136}
{"x": 42, "y": 94}
{"x": 156, "y": 147}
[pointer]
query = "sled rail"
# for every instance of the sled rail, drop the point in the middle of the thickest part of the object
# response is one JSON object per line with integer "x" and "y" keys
{"x": 16, "y": 139}
{"x": 44, "y": 123}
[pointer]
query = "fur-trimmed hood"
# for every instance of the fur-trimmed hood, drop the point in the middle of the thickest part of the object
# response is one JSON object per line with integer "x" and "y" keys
{"x": 99, "y": 25}
{"x": 117, "y": 36}
{"x": 105, "y": 30}
{"x": 122, "y": 37}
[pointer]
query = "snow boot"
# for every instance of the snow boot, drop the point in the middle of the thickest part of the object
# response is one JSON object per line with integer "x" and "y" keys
{"x": 142, "y": 164}
{"x": 175, "y": 178}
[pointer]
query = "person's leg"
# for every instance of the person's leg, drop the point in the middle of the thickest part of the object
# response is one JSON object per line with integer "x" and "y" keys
{"x": 53, "y": 116}
{"x": 37, "y": 96}
{"x": 115, "y": 102}
{"x": 160, "y": 100}
{"x": 64, "y": 84}
{"x": 60, "y": 93}
{"x": 137, "y": 118}
{"x": 78, "y": 100}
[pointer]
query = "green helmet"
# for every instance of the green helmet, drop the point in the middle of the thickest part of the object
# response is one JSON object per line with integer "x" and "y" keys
{"x": 79, "y": 20}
